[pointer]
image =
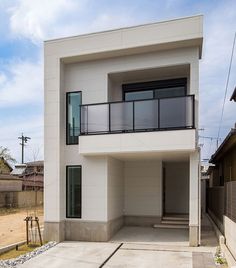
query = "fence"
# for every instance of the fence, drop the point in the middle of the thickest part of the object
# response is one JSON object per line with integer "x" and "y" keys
{"x": 216, "y": 204}
{"x": 230, "y": 200}
{"x": 221, "y": 200}
{"x": 21, "y": 199}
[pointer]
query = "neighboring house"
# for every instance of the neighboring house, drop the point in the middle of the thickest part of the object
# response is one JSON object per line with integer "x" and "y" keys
{"x": 121, "y": 120}
{"x": 222, "y": 189}
{"x": 9, "y": 184}
{"x": 31, "y": 174}
{"x": 5, "y": 167}
{"x": 7, "y": 181}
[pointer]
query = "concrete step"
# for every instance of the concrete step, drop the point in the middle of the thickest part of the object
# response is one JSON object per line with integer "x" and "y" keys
{"x": 175, "y": 218}
{"x": 175, "y": 222}
{"x": 170, "y": 226}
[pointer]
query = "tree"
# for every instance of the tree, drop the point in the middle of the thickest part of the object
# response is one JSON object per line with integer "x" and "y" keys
{"x": 5, "y": 153}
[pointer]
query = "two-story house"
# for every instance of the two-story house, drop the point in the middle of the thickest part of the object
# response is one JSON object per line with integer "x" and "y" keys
{"x": 121, "y": 120}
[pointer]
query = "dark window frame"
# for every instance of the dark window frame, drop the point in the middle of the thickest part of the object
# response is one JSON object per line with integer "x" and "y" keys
{"x": 154, "y": 85}
{"x": 67, "y": 171}
{"x": 67, "y": 98}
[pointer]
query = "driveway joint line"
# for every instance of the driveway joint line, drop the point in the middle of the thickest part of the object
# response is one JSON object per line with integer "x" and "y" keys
{"x": 111, "y": 255}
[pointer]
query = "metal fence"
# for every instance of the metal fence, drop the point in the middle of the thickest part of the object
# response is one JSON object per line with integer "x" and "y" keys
{"x": 221, "y": 200}
{"x": 230, "y": 200}
{"x": 215, "y": 201}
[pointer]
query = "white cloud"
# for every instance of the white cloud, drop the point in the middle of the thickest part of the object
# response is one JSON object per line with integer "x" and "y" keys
{"x": 22, "y": 84}
{"x": 38, "y": 20}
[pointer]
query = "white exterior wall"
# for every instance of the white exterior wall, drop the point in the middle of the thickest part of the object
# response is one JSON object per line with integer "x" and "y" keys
{"x": 115, "y": 188}
{"x": 194, "y": 189}
{"x": 177, "y": 188}
{"x": 92, "y": 79}
{"x": 143, "y": 188}
{"x": 149, "y": 142}
{"x": 94, "y": 188}
{"x": 90, "y": 74}
{"x": 230, "y": 235}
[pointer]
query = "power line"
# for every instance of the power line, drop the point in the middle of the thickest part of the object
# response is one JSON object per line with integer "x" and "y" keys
{"x": 208, "y": 137}
{"x": 226, "y": 87}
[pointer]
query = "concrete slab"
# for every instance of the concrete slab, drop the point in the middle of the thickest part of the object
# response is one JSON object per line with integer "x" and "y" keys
{"x": 143, "y": 247}
{"x": 157, "y": 236}
{"x": 149, "y": 259}
{"x": 73, "y": 254}
{"x": 156, "y": 247}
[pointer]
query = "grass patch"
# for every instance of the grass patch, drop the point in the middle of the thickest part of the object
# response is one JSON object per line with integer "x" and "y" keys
{"x": 23, "y": 249}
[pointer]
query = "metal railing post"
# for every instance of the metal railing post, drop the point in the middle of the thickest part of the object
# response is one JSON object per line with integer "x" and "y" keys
{"x": 133, "y": 118}
{"x": 109, "y": 117}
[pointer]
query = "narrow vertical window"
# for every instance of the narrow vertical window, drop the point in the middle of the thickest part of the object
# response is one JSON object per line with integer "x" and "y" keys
{"x": 73, "y": 102}
{"x": 73, "y": 191}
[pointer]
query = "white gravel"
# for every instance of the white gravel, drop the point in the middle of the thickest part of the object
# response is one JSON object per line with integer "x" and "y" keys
{"x": 23, "y": 258}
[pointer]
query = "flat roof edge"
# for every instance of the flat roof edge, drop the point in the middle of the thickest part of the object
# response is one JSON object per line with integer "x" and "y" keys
{"x": 54, "y": 40}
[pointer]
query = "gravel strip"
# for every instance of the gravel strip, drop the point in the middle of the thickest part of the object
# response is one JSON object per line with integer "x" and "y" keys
{"x": 23, "y": 258}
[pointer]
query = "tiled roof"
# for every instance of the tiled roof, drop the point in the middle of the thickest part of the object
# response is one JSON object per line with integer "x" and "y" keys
{"x": 35, "y": 163}
{"x": 8, "y": 177}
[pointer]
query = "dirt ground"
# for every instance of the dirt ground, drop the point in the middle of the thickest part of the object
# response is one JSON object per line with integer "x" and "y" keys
{"x": 12, "y": 224}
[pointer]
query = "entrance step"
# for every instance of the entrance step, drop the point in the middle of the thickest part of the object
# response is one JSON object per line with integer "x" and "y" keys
{"x": 170, "y": 226}
{"x": 175, "y": 222}
{"x": 175, "y": 218}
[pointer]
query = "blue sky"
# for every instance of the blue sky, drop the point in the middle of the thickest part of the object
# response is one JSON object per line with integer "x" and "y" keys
{"x": 24, "y": 24}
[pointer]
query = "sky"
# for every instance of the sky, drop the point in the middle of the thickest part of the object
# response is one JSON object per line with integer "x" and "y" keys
{"x": 25, "y": 24}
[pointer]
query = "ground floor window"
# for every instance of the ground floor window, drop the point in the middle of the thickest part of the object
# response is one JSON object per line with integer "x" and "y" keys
{"x": 73, "y": 191}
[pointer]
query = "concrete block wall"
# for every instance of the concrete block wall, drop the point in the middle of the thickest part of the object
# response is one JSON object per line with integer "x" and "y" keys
{"x": 230, "y": 235}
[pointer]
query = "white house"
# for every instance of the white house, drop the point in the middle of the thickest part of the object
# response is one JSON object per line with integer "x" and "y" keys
{"x": 121, "y": 120}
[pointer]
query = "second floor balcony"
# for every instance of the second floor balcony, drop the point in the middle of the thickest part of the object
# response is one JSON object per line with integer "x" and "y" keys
{"x": 170, "y": 113}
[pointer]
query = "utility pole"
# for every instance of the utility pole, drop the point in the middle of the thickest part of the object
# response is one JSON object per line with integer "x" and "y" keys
{"x": 24, "y": 140}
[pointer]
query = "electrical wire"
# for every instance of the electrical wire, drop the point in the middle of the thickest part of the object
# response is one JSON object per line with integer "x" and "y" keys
{"x": 226, "y": 87}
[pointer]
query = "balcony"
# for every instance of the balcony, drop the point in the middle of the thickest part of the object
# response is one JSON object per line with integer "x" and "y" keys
{"x": 174, "y": 113}
{"x": 155, "y": 126}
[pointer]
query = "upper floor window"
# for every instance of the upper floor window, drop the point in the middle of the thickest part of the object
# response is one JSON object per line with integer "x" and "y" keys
{"x": 155, "y": 89}
{"x": 73, "y": 102}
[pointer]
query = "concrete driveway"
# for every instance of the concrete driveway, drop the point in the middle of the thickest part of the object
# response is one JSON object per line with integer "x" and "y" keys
{"x": 90, "y": 254}
{"x": 134, "y": 247}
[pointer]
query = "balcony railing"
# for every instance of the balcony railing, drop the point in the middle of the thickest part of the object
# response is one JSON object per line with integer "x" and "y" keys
{"x": 138, "y": 116}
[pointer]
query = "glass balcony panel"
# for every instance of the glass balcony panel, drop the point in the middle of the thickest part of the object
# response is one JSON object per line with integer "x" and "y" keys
{"x": 138, "y": 115}
{"x": 176, "y": 112}
{"x": 121, "y": 116}
{"x": 95, "y": 118}
{"x": 84, "y": 119}
{"x": 146, "y": 114}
